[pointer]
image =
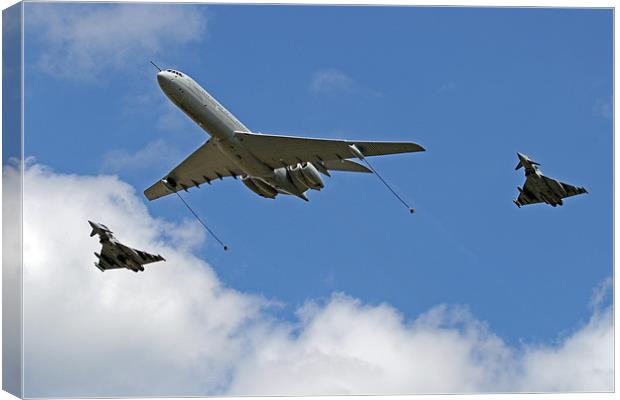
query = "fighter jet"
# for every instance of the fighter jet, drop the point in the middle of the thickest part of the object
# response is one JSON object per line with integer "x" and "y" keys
{"x": 268, "y": 165}
{"x": 114, "y": 254}
{"x": 540, "y": 189}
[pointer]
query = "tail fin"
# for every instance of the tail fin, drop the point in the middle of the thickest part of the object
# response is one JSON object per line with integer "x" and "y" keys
{"x": 94, "y": 226}
{"x": 523, "y": 157}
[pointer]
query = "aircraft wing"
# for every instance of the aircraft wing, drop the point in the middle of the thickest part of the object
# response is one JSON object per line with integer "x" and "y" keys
{"x": 277, "y": 151}
{"x": 145, "y": 258}
{"x": 524, "y": 199}
{"x": 204, "y": 165}
{"x": 117, "y": 255}
{"x": 345, "y": 165}
{"x": 108, "y": 257}
{"x": 571, "y": 190}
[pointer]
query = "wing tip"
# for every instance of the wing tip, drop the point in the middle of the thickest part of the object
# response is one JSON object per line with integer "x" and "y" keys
{"x": 148, "y": 196}
{"x": 418, "y": 147}
{"x": 157, "y": 190}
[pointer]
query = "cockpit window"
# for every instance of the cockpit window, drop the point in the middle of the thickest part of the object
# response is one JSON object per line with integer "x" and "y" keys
{"x": 175, "y": 72}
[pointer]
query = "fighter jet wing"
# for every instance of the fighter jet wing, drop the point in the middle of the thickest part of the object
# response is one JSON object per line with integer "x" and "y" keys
{"x": 570, "y": 189}
{"x": 526, "y": 197}
{"x": 145, "y": 258}
{"x": 276, "y": 151}
{"x": 204, "y": 165}
{"x": 107, "y": 259}
{"x": 117, "y": 255}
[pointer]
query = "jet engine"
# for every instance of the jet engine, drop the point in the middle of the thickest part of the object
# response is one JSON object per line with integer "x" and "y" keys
{"x": 305, "y": 175}
{"x": 259, "y": 187}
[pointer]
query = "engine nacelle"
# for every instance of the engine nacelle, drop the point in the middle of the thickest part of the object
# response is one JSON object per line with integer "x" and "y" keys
{"x": 260, "y": 188}
{"x": 305, "y": 175}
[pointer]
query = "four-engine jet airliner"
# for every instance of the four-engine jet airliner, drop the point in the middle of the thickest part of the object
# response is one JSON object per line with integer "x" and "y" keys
{"x": 541, "y": 189}
{"x": 114, "y": 254}
{"x": 267, "y": 164}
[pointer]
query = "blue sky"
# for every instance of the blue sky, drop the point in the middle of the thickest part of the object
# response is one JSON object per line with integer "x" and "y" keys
{"x": 473, "y": 86}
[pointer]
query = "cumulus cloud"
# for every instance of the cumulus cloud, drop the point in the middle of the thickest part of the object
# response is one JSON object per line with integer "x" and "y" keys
{"x": 583, "y": 362}
{"x": 329, "y": 81}
{"x": 171, "y": 330}
{"x": 82, "y": 41}
{"x": 346, "y": 347}
{"x": 175, "y": 329}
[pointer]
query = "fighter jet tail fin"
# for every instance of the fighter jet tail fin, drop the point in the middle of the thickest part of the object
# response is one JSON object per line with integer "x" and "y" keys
{"x": 520, "y": 164}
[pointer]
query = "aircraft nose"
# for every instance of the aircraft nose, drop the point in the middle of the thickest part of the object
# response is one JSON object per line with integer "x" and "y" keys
{"x": 163, "y": 78}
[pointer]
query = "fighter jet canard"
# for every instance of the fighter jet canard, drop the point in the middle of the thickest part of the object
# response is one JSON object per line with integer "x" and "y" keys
{"x": 115, "y": 255}
{"x": 267, "y": 164}
{"x": 539, "y": 188}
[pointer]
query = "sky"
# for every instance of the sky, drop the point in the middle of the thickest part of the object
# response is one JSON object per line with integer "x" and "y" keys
{"x": 469, "y": 284}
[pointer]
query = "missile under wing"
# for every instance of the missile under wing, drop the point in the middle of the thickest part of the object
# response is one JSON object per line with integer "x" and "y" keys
{"x": 115, "y": 255}
{"x": 539, "y": 188}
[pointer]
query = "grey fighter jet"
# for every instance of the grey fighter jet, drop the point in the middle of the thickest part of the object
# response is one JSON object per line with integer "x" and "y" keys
{"x": 114, "y": 254}
{"x": 268, "y": 165}
{"x": 541, "y": 189}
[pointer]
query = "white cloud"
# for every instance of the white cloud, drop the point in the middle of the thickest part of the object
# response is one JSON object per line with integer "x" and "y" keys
{"x": 169, "y": 330}
{"x": 175, "y": 329}
{"x": 330, "y": 81}
{"x": 582, "y": 362}
{"x": 346, "y": 347}
{"x": 600, "y": 293}
{"x": 83, "y": 41}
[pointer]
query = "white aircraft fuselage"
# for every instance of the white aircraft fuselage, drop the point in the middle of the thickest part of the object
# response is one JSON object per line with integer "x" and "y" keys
{"x": 218, "y": 122}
